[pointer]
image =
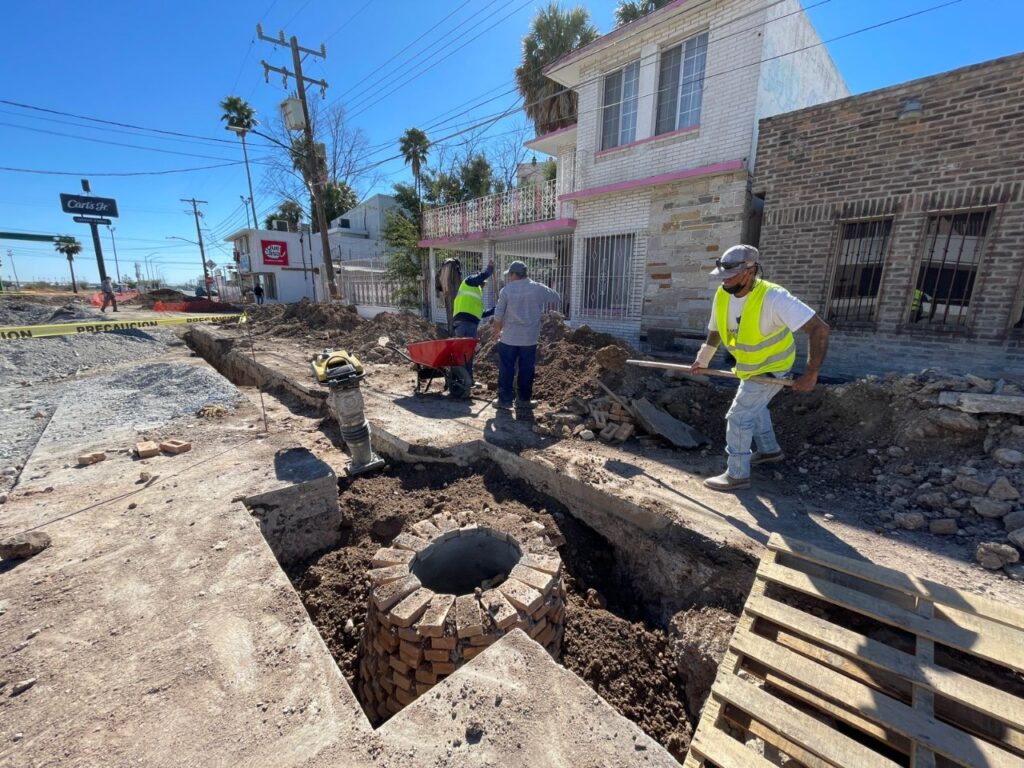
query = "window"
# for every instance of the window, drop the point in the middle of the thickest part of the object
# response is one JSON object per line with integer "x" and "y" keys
{"x": 863, "y": 246}
{"x": 681, "y": 85}
{"x": 620, "y": 102}
{"x": 952, "y": 248}
{"x": 607, "y": 275}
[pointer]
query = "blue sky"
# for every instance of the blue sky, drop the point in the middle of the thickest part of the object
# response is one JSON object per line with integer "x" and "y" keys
{"x": 167, "y": 65}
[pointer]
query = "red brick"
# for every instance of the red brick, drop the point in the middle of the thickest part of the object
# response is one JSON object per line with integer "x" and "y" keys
{"x": 468, "y": 620}
{"x": 442, "y": 667}
{"x": 432, "y": 621}
{"x": 388, "y": 556}
{"x": 425, "y": 676}
{"x": 387, "y": 595}
{"x": 147, "y": 449}
{"x": 437, "y": 654}
{"x": 411, "y": 608}
{"x": 403, "y": 682}
{"x": 522, "y": 596}
{"x": 175, "y": 446}
{"x": 404, "y": 697}
{"x": 501, "y": 611}
{"x": 447, "y": 643}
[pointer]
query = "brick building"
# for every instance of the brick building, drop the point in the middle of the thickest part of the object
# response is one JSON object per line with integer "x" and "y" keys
{"x": 653, "y": 181}
{"x": 899, "y": 215}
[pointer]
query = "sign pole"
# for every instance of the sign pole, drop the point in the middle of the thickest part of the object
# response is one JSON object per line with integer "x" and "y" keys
{"x": 99, "y": 250}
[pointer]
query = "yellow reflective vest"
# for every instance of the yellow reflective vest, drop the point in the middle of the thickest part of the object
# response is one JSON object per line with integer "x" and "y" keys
{"x": 469, "y": 300}
{"x": 755, "y": 353}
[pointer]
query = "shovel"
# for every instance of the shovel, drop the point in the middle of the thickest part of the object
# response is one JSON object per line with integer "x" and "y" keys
{"x": 708, "y": 372}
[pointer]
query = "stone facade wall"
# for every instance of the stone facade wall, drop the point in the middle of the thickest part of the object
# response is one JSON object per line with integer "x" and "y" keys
{"x": 854, "y": 159}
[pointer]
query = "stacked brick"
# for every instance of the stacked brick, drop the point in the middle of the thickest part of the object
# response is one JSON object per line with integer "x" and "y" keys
{"x": 414, "y": 637}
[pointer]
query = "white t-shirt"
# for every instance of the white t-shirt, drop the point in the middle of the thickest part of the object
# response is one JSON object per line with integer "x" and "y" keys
{"x": 780, "y": 308}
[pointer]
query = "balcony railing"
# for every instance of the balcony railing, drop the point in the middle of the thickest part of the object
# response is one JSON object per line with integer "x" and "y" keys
{"x": 524, "y": 205}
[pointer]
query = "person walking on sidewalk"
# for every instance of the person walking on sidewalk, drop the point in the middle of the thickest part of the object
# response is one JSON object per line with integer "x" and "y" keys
{"x": 468, "y": 308}
{"x": 107, "y": 286}
{"x": 257, "y": 291}
{"x": 756, "y": 320}
{"x": 517, "y": 323}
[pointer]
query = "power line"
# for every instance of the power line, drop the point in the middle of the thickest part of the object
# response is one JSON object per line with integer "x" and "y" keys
{"x": 124, "y": 173}
{"x": 349, "y": 20}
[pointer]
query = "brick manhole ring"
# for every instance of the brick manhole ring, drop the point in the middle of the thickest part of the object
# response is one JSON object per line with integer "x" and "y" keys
{"x": 443, "y": 593}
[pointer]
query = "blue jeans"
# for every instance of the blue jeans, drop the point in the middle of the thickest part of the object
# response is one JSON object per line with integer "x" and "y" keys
{"x": 466, "y": 329}
{"x": 748, "y": 421}
{"x": 508, "y": 358}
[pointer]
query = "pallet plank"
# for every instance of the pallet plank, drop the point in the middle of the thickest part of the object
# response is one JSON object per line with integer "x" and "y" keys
{"x": 725, "y": 751}
{"x": 798, "y": 727}
{"x": 924, "y": 729}
{"x": 913, "y": 585}
{"x": 972, "y": 693}
{"x": 747, "y": 724}
{"x": 997, "y": 642}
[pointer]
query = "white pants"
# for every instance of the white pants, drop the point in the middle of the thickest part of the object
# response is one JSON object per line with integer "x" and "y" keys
{"x": 748, "y": 421}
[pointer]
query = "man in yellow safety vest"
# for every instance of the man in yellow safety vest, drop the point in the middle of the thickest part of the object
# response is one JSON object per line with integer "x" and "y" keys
{"x": 468, "y": 307}
{"x": 755, "y": 320}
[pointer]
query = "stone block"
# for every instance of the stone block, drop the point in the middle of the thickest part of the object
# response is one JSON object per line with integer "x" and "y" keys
{"x": 432, "y": 621}
{"x": 388, "y": 556}
{"x": 547, "y": 564}
{"x": 539, "y": 580}
{"x": 425, "y": 529}
{"x": 387, "y": 595}
{"x": 409, "y": 542}
{"x": 501, "y": 611}
{"x": 522, "y": 596}
{"x": 468, "y": 621}
{"x": 411, "y": 608}
{"x": 85, "y": 459}
{"x": 147, "y": 449}
{"x": 443, "y": 523}
{"x": 390, "y": 573}
{"x": 175, "y": 446}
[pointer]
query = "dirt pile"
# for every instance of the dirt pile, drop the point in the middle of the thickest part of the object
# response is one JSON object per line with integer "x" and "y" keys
{"x": 164, "y": 295}
{"x": 400, "y": 328}
{"x": 568, "y": 360}
{"x": 609, "y": 640}
{"x": 303, "y": 319}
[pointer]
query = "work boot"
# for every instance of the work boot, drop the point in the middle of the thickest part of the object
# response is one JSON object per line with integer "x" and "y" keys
{"x": 503, "y": 406}
{"x": 724, "y": 482}
{"x": 527, "y": 404}
{"x": 766, "y": 458}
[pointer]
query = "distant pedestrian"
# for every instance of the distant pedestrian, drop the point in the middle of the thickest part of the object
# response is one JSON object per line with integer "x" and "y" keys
{"x": 517, "y": 322}
{"x": 108, "y": 294}
{"x": 258, "y": 293}
{"x": 468, "y": 308}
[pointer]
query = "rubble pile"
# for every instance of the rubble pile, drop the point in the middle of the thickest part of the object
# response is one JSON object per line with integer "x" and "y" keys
{"x": 163, "y": 295}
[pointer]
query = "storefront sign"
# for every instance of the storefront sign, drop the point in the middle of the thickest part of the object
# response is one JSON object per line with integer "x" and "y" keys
{"x": 275, "y": 253}
{"x": 89, "y": 206}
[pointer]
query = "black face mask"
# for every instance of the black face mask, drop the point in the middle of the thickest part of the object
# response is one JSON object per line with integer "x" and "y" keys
{"x": 733, "y": 289}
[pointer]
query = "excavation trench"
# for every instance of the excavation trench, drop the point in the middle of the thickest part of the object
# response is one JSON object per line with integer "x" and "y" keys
{"x": 640, "y": 608}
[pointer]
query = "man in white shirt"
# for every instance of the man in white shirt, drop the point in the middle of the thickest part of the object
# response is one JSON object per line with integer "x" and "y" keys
{"x": 756, "y": 320}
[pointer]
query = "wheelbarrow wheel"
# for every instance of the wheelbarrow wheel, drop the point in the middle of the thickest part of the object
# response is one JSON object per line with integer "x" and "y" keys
{"x": 460, "y": 383}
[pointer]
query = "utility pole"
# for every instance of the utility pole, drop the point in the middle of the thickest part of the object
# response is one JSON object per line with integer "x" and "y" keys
{"x": 117, "y": 267}
{"x": 312, "y": 164}
{"x": 199, "y": 234}
{"x": 245, "y": 204}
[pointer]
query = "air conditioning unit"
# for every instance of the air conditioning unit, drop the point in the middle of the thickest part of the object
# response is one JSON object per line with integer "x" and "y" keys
{"x": 344, "y": 224}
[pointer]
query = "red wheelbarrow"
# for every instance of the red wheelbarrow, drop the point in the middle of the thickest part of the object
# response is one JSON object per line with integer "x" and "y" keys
{"x": 442, "y": 359}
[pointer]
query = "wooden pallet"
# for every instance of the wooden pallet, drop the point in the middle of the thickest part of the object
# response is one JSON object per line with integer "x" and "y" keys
{"x": 839, "y": 663}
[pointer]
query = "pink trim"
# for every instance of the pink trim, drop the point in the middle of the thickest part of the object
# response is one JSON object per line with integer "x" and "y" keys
{"x": 522, "y": 229}
{"x": 669, "y": 135}
{"x": 650, "y": 181}
{"x": 549, "y": 134}
{"x": 585, "y": 50}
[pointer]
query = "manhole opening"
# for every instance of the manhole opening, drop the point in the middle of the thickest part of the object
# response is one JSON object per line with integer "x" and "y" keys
{"x": 457, "y": 566}
{"x": 645, "y": 657}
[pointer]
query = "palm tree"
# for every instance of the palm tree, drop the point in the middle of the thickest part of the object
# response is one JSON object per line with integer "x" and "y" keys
{"x": 240, "y": 119}
{"x": 554, "y": 32}
{"x": 414, "y": 146}
{"x": 631, "y": 10}
{"x": 70, "y": 248}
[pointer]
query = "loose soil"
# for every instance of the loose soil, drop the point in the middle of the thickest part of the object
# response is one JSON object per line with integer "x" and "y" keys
{"x": 610, "y": 638}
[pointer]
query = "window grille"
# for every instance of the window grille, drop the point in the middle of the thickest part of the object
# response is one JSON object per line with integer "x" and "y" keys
{"x": 620, "y": 106}
{"x": 863, "y": 246}
{"x": 952, "y": 249}
{"x": 681, "y": 85}
{"x": 607, "y": 276}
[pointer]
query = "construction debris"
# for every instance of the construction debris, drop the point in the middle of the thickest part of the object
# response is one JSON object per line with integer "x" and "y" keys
{"x": 85, "y": 459}
{"x": 175, "y": 446}
{"x": 22, "y": 545}
{"x": 659, "y": 422}
{"x": 147, "y": 449}
{"x": 983, "y": 403}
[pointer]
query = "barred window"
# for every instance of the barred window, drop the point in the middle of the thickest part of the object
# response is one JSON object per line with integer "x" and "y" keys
{"x": 607, "y": 275}
{"x": 863, "y": 246}
{"x": 952, "y": 249}
{"x": 681, "y": 85}
{"x": 620, "y": 106}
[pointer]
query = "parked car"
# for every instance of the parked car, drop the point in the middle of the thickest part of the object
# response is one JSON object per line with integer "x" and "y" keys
{"x": 201, "y": 292}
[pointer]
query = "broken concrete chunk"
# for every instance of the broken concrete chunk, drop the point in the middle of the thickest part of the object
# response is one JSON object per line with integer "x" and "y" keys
{"x": 1017, "y": 538}
{"x": 971, "y": 402}
{"x": 990, "y": 508}
{"x": 85, "y": 459}
{"x": 1008, "y": 457}
{"x": 1014, "y": 520}
{"x": 953, "y": 421}
{"x": 656, "y": 421}
{"x": 147, "y": 449}
{"x": 1003, "y": 490}
{"x": 175, "y": 446}
{"x": 971, "y": 485}
{"x": 910, "y": 521}
{"x": 945, "y": 526}
{"x": 993, "y": 555}
{"x": 22, "y": 545}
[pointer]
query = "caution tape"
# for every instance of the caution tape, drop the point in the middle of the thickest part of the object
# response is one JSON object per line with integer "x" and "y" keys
{"x": 10, "y": 332}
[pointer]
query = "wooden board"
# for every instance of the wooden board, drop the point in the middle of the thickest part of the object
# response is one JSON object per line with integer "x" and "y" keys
{"x": 838, "y": 663}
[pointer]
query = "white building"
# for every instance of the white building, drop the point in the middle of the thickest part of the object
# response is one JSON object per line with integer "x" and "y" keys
{"x": 356, "y": 234}
{"x": 653, "y": 180}
{"x": 286, "y": 264}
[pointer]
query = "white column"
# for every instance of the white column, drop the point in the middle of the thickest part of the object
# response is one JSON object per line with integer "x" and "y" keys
{"x": 647, "y": 86}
